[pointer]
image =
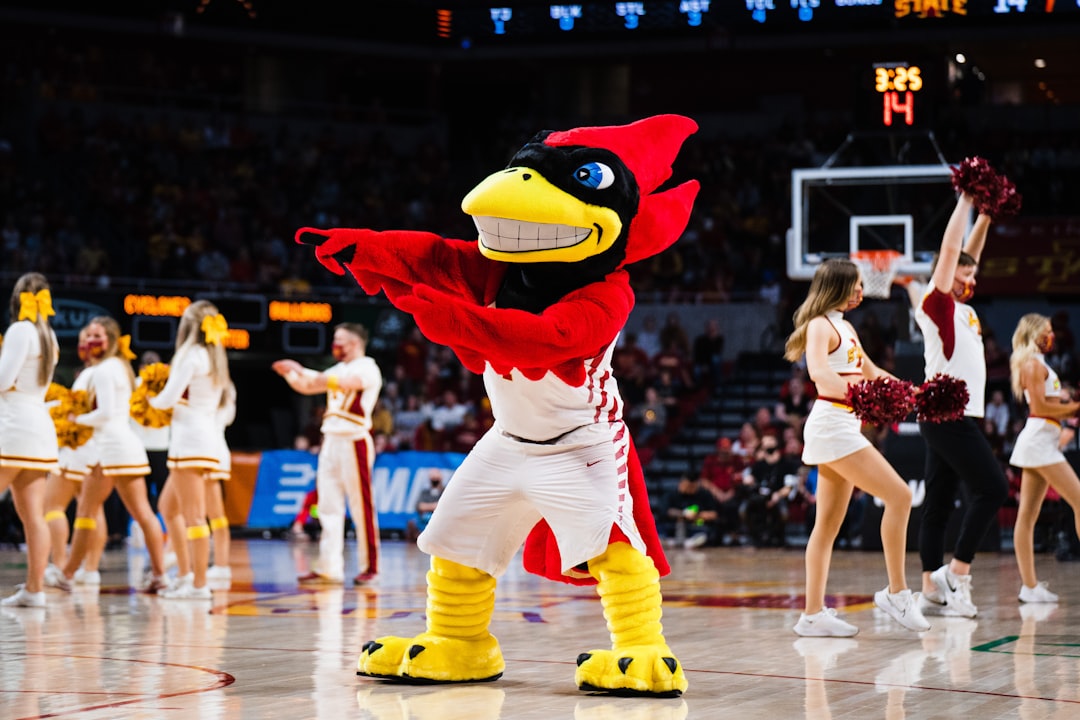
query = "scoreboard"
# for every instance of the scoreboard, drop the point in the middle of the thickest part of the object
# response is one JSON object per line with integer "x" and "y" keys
{"x": 485, "y": 21}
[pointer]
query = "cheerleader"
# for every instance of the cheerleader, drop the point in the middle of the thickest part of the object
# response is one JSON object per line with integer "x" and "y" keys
{"x": 845, "y": 458}
{"x": 198, "y": 375}
{"x": 1038, "y": 446}
{"x": 121, "y": 461}
{"x": 220, "y": 573}
{"x": 28, "y": 445}
{"x": 64, "y": 486}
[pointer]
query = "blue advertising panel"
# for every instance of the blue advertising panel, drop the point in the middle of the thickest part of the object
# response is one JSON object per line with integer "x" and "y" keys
{"x": 286, "y": 476}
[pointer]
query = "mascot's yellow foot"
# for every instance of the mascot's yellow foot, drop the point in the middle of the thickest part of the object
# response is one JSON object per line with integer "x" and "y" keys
{"x": 632, "y": 671}
{"x": 429, "y": 658}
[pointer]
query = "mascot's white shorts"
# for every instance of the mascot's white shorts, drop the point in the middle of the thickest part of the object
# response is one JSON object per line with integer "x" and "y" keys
{"x": 1037, "y": 444}
{"x": 505, "y": 486}
{"x": 830, "y": 433}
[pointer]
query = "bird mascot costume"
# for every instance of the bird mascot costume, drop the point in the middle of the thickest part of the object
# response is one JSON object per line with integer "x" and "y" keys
{"x": 536, "y": 305}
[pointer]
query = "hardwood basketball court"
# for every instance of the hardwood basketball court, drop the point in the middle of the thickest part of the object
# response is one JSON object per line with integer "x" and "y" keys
{"x": 269, "y": 649}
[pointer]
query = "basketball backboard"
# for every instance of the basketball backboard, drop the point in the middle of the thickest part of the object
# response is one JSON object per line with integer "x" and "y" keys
{"x": 836, "y": 211}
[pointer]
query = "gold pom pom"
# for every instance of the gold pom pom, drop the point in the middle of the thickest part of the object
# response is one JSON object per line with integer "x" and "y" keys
{"x": 153, "y": 376}
{"x": 62, "y": 404}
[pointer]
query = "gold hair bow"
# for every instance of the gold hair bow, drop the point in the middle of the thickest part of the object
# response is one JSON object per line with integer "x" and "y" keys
{"x": 215, "y": 328}
{"x": 32, "y": 304}
{"x": 124, "y": 345}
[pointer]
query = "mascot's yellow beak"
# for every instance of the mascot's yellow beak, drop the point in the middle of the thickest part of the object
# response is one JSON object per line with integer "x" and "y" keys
{"x": 523, "y": 218}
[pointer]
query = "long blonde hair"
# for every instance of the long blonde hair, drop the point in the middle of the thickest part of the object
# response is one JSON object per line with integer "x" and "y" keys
{"x": 190, "y": 333}
{"x": 34, "y": 283}
{"x": 834, "y": 282}
{"x": 1023, "y": 348}
{"x": 112, "y": 346}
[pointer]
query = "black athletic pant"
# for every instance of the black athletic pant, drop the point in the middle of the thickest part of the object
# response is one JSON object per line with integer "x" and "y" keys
{"x": 958, "y": 452}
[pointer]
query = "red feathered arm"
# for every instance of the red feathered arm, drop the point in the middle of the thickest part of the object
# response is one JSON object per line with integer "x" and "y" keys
{"x": 394, "y": 261}
{"x": 557, "y": 340}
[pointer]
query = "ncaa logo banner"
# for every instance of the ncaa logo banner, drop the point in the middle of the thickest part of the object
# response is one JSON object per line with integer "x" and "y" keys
{"x": 285, "y": 477}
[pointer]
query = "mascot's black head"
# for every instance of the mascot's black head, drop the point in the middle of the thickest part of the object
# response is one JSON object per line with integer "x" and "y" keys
{"x": 560, "y": 214}
{"x": 574, "y": 205}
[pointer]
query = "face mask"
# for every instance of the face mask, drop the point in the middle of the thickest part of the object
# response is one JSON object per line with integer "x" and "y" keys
{"x": 1046, "y": 345}
{"x": 95, "y": 348}
{"x": 966, "y": 293}
{"x": 854, "y": 302}
{"x": 338, "y": 351}
{"x": 84, "y": 353}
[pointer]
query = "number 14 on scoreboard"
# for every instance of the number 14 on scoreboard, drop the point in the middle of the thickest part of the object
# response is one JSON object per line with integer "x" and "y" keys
{"x": 893, "y": 106}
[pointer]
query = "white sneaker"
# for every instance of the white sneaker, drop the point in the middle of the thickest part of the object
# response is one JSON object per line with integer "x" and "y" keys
{"x": 22, "y": 598}
{"x": 824, "y": 624}
{"x": 186, "y": 591}
{"x": 87, "y": 577}
{"x": 1037, "y": 594}
{"x": 54, "y": 577}
{"x": 956, "y": 591}
{"x": 219, "y": 572}
{"x": 903, "y": 607}
{"x": 696, "y": 541}
{"x": 177, "y": 582}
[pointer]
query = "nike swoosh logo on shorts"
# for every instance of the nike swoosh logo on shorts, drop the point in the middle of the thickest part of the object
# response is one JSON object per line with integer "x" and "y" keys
{"x": 590, "y": 464}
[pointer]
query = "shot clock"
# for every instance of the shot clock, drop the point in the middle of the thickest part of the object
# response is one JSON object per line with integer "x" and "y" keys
{"x": 897, "y": 96}
{"x": 898, "y": 84}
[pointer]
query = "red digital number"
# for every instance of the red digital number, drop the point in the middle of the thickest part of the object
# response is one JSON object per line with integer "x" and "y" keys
{"x": 892, "y": 105}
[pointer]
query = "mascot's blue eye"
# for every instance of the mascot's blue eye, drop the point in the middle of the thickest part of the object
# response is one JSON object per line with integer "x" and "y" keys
{"x": 595, "y": 175}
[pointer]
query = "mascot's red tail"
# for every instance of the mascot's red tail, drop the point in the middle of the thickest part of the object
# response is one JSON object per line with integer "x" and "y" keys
{"x": 541, "y": 555}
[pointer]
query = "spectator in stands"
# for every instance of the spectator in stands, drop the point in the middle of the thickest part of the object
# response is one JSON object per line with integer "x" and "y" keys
{"x": 412, "y": 359}
{"x": 767, "y": 484}
{"x": 673, "y": 360}
{"x": 670, "y": 390}
{"x": 691, "y": 510}
{"x": 765, "y": 424}
{"x": 425, "y": 504}
{"x": 406, "y": 422}
{"x": 708, "y": 354}
{"x": 997, "y": 415}
{"x": 464, "y": 436}
{"x": 673, "y": 336}
{"x": 746, "y": 444}
{"x": 796, "y": 398}
{"x": 721, "y": 474}
{"x": 648, "y": 337}
{"x": 446, "y": 413}
{"x": 649, "y": 419}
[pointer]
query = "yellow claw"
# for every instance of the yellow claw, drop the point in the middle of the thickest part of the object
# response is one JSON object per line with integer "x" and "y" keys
{"x": 639, "y": 661}
{"x": 642, "y": 670}
{"x": 457, "y": 646}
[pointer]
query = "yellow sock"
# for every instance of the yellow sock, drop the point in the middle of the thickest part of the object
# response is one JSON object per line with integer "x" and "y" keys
{"x": 84, "y": 523}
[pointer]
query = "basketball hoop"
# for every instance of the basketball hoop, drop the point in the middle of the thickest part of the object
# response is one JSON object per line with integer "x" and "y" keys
{"x": 878, "y": 269}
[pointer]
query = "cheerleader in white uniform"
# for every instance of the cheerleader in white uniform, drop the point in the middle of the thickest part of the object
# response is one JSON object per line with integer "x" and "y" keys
{"x": 845, "y": 458}
{"x": 66, "y": 485}
{"x": 28, "y": 445}
{"x": 1038, "y": 447}
{"x": 220, "y": 573}
{"x": 121, "y": 459}
{"x": 198, "y": 375}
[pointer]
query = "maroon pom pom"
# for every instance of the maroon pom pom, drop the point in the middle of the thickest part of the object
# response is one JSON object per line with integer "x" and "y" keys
{"x": 1005, "y": 203}
{"x": 975, "y": 177}
{"x": 883, "y": 401}
{"x": 992, "y": 194}
{"x": 942, "y": 398}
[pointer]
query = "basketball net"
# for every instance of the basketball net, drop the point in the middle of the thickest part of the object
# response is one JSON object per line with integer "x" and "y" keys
{"x": 878, "y": 269}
